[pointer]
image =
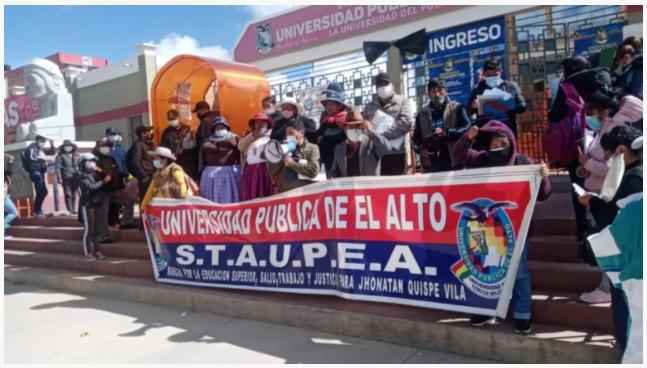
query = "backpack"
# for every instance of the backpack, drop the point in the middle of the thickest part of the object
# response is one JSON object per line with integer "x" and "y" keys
{"x": 562, "y": 139}
{"x": 25, "y": 160}
{"x": 130, "y": 167}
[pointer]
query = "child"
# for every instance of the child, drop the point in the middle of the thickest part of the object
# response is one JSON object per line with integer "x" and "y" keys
{"x": 93, "y": 203}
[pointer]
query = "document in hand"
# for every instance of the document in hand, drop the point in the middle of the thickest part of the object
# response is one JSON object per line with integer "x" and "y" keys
{"x": 495, "y": 101}
{"x": 382, "y": 122}
{"x": 320, "y": 177}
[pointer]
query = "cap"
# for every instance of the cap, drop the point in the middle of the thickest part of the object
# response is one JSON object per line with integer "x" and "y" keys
{"x": 435, "y": 83}
{"x": 201, "y": 105}
{"x": 382, "y": 77}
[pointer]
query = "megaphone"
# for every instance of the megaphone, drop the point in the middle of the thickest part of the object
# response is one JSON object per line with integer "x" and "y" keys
{"x": 275, "y": 150}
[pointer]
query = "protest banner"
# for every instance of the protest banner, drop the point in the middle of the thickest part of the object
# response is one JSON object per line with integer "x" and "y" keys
{"x": 447, "y": 241}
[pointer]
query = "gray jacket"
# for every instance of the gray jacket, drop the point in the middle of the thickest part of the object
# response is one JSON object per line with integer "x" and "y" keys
{"x": 372, "y": 148}
{"x": 399, "y": 108}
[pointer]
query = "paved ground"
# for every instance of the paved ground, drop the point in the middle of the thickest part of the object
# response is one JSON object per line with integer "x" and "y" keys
{"x": 43, "y": 326}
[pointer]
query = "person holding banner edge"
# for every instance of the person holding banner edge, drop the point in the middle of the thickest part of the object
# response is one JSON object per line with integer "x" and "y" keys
{"x": 501, "y": 150}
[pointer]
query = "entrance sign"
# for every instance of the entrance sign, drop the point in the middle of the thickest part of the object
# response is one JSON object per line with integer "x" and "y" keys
{"x": 447, "y": 241}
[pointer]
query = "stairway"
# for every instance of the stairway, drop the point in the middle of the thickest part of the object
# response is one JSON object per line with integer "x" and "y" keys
{"x": 47, "y": 251}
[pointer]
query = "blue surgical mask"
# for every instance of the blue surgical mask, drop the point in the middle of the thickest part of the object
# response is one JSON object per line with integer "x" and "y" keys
{"x": 221, "y": 133}
{"x": 493, "y": 81}
{"x": 157, "y": 164}
{"x": 593, "y": 122}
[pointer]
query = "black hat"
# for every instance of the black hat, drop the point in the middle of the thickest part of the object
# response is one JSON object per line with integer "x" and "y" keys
{"x": 67, "y": 142}
{"x": 382, "y": 77}
{"x": 435, "y": 83}
{"x": 296, "y": 124}
{"x": 491, "y": 63}
{"x": 40, "y": 138}
{"x": 111, "y": 131}
{"x": 201, "y": 105}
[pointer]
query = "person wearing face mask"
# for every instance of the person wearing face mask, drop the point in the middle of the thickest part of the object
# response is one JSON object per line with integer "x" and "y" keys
{"x": 493, "y": 145}
{"x": 181, "y": 141}
{"x": 630, "y": 81}
{"x": 202, "y": 110}
{"x": 140, "y": 161}
{"x": 169, "y": 180}
{"x": 621, "y": 141}
{"x": 220, "y": 164}
{"x": 117, "y": 150}
{"x": 492, "y": 79}
{"x": 331, "y": 126}
{"x": 361, "y": 153}
{"x": 114, "y": 189}
{"x": 396, "y": 106}
{"x": 300, "y": 166}
{"x": 269, "y": 108}
{"x": 35, "y": 163}
{"x": 93, "y": 205}
{"x": 256, "y": 181}
{"x": 67, "y": 164}
{"x": 291, "y": 109}
{"x": 438, "y": 126}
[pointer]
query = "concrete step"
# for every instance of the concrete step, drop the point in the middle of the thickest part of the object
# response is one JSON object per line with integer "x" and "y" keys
{"x": 565, "y": 309}
{"x": 553, "y": 227}
{"x": 128, "y": 267}
{"x": 135, "y": 250}
{"x": 72, "y": 232}
{"x": 564, "y": 277}
{"x": 69, "y": 221}
{"x": 410, "y": 326}
{"x": 553, "y": 248}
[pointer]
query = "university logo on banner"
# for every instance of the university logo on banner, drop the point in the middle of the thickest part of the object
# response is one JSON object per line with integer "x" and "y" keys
{"x": 447, "y": 241}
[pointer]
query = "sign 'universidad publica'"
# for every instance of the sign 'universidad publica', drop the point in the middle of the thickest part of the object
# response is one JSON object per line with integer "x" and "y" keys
{"x": 447, "y": 241}
{"x": 456, "y": 55}
{"x": 315, "y": 25}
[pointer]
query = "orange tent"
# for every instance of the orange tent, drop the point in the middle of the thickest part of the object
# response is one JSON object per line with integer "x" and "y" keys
{"x": 233, "y": 89}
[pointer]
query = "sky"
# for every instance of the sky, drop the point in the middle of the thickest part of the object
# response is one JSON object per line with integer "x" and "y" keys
{"x": 112, "y": 32}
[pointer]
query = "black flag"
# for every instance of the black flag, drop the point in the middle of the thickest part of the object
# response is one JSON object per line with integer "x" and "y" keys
{"x": 413, "y": 44}
{"x": 373, "y": 50}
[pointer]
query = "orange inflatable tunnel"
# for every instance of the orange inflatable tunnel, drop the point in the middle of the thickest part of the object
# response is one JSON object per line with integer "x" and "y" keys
{"x": 234, "y": 90}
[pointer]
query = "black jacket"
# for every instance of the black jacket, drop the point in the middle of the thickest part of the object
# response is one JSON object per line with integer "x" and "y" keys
{"x": 509, "y": 118}
{"x": 33, "y": 162}
{"x": 91, "y": 185}
{"x": 278, "y": 129}
{"x": 632, "y": 182}
{"x": 141, "y": 161}
{"x": 109, "y": 166}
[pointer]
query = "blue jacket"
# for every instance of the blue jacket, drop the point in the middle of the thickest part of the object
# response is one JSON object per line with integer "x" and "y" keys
{"x": 119, "y": 154}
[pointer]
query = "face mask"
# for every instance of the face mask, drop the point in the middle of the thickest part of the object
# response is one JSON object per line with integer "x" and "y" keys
{"x": 68, "y": 148}
{"x": 104, "y": 150}
{"x": 263, "y": 130}
{"x": 291, "y": 138}
{"x": 499, "y": 156}
{"x": 287, "y": 114}
{"x": 438, "y": 101}
{"x": 113, "y": 138}
{"x": 221, "y": 133}
{"x": 385, "y": 92}
{"x": 174, "y": 123}
{"x": 157, "y": 164}
{"x": 593, "y": 122}
{"x": 269, "y": 111}
{"x": 40, "y": 144}
{"x": 90, "y": 165}
{"x": 354, "y": 135}
{"x": 493, "y": 81}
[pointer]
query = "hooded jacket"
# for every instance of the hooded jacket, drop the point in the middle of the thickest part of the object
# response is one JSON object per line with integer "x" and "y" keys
{"x": 630, "y": 111}
{"x": 475, "y": 154}
{"x": 67, "y": 163}
{"x": 631, "y": 80}
{"x": 91, "y": 184}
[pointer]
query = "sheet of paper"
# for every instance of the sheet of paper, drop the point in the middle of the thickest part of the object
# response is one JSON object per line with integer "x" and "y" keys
{"x": 382, "y": 122}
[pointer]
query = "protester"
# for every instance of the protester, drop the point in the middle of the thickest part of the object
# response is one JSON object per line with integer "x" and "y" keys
{"x": 67, "y": 164}
{"x": 10, "y": 210}
{"x": 35, "y": 163}
{"x": 291, "y": 109}
{"x": 220, "y": 164}
{"x": 269, "y": 108}
{"x": 439, "y": 124}
{"x": 492, "y": 79}
{"x": 331, "y": 131}
{"x": 557, "y": 113}
{"x": 630, "y": 81}
{"x": 397, "y": 107}
{"x": 202, "y": 109}
{"x": 361, "y": 153}
{"x": 114, "y": 188}
{"x": 256, "y": 181}
{"x": 501, "y": 150}
{"x": 299, "y": 167}
{"x": 93, "y": 205}
{"x": 180, "y": 140}
{"x": 141, "y": 161}
{"x": 168, "y": 180}
{"x": 622, "y": 57}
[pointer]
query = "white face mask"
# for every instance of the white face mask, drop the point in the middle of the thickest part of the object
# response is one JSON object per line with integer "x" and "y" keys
{"x": 174, "y": 123}
{"x": 90, "y": 165}
{"x": 287, "y": 114}
{"x": 385, "y": 91}
{"x": 616, "y": 164}
{"x": 269, "y": 111}
{"x": 354, "y": 135}
{"x": 493, "y": 81}
{"x": 40, "y": 144}
{"x": 263, "y": 130}
{"x": 104, "y": 150}
{"x": 114, "y": 138}
{"x": 221, "y": 133}
{"x": 68, "y": 148}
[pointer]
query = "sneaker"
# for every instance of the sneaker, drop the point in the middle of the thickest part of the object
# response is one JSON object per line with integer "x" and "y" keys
{"x": 7, "y": 236}
{"x": 596, "y": 296}
{"x": 478, "y": 321}
{"x": 128, "y": 227}
{"x": 38, "y": 214}
{"x": 90, "y": 257}
{"x": 522, "y": 326}
{"x": 99, "y": 256}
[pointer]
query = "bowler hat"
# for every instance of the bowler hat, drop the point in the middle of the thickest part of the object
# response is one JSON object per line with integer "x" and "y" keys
{"x": 334, "y": 92}
{"x": 201, "y": 105}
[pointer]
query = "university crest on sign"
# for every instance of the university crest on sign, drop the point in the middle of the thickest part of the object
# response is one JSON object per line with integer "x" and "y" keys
{"x": 264, "y": 42}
